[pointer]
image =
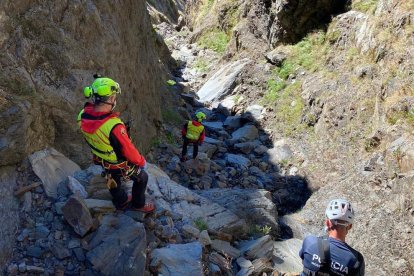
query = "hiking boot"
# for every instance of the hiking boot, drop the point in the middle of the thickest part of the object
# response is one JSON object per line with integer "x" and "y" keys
{"x": 125, "y": 205}
{"x": 149, "y": 207}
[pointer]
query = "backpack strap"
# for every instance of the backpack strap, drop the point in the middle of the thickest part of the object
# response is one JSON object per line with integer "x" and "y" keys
{"x": 324, "y": 253}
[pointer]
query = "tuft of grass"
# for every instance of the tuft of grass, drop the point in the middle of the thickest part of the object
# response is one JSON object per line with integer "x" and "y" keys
{"x": 257, "y": 230}
{"x": 364, "y": 5}
{"x": 404, "y": 116}
{"x": 215, "y": 40}
{"x": 200, "y": 224}
{"x": 201, "y": 65}
{"x": 273, "y": 88}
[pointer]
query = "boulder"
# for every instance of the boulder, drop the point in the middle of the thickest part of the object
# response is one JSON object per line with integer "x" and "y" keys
{"x": 246, "y": 266}
{"x": 77, "y": 215}
{"x": 286, "y": 255}
{"x": 254, "y": 249}
{"x": 222, "y": 82}
{"x": 52, "y": 167}
{"x": 76, "y": 188}
{"x": 226, "y": 106}
{"x": 187, "y": 206}
{"x": 177, "y": 259}
{"x": 253, "y": 113}
{"x": 225, "y": 248}
{"x": 247, "y": 147}
{"x": 280, "y": 152}
{"x": 118, "y": 247}
{"x": 96, "y": 188}
{"x": 276, "y": 57}
{"x": 237, "y": 160}
{"x": 254, "y": 205}
{"x": 99, "y": 205}
{"x": 213, "y": 141}
{"x": 248, "y": 132}
{"x": 213, "y": 126}
{"x": 208, "y": 148}
{"x": 191, "y": 231}
{"x": 204, "y": 238}
{"x": 233, "y": 122}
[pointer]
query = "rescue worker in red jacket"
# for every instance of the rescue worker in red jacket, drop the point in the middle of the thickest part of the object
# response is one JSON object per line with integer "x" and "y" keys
{"x": 193, "y": 133}
{"x": 111, "y": 146}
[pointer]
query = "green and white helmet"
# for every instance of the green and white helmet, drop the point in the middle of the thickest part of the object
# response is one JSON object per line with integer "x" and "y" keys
{"x": 200, "y": 116}
{"x": 102, "y": 88}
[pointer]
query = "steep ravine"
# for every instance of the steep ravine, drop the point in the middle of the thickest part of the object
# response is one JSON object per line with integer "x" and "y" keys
{"x": 289, "y": 126}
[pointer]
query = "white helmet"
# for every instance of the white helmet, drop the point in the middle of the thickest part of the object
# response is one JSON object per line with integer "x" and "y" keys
{"x": 340, "y": 209}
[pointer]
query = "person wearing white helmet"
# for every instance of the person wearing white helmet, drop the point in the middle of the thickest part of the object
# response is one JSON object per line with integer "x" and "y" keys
{"x": 331, "y": 255}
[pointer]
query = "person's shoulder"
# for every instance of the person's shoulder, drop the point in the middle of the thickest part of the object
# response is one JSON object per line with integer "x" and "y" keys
{"x": 310, "y": 239}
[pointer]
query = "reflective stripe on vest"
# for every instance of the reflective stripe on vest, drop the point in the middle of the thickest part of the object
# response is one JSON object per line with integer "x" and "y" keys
{"x": 193, "y": 132}
{"x": 99, "y": 140}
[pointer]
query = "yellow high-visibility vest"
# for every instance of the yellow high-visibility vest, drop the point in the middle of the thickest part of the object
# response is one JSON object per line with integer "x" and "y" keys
{"x": 99, "y": 140}
{"x": 194, "y": 132}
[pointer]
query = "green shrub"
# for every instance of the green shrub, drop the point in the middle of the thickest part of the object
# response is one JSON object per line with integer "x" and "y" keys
{"x": 257, "y": 230}
{"x": 200, "y": 224}
{"x": 215, "y": 40}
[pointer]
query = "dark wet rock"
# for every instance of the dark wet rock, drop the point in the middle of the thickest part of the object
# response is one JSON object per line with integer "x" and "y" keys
{"x": 77, "y": 215}
{"x": 262, "y": 247}
{"x": 118, "y": 247}
{"x": 225, "y": 248}
{"x": 247, "y": 147}
{"x": 237, "y": 161}
{"x": 34, "y": 251}
{"x": 60, "y": 252}
{"x": 233, "y": 122}
{"x": 248, "y": 132}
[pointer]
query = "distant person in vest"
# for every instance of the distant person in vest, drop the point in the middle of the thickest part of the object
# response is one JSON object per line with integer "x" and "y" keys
{"x": 111, "y": 146}
{"x": 193, "y": 133}
{"x": 332, "y": 255}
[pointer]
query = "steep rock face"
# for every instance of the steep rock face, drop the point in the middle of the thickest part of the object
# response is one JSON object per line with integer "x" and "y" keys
{"x": 49, "y": 52}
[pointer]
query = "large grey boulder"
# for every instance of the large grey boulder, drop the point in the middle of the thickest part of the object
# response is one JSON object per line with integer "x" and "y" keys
{"x": 213, "y": 141}
{"x": 178, "y": 260}
{"x": 254, "y": 249}
{"x": 187, "y": 206}
{"x": 52, "y": 167}
{"x": 248, "y": 132}
{"x": 286, "y": 255}
{"x": 118, "y": 247}
{"x": 237, "y": 160}
{"x": 213, "y": 126}
{"x": 77, "y": 215}
{"x": 222, "y": 82}
{"x": 254, "y": 205}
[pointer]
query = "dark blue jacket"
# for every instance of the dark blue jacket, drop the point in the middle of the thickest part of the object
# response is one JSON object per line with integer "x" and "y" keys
{"x": 341, "y": 259}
